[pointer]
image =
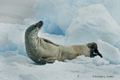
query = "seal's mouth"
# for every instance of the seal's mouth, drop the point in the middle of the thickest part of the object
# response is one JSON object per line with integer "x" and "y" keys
{"x": 40, "y": 24}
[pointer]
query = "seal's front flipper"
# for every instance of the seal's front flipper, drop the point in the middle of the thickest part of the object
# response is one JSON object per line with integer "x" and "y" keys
{"x": 48, "y": 41}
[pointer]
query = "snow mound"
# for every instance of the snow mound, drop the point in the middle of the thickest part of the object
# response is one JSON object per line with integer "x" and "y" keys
{"x": 21, "y": 49}
{"x": 109, "y": 52}
{"x": 93, "y": 23}
{"x": 11, "y": 57}
{"x": 28, "y": 77}
{"x": 117, "y": 45}
{"x": 12, "y": 38}
{"x": 100, "y": 61}
{"x": 96, "y": 61}
{"x": 6, "y": 44}
{"x": 3, "y": 42}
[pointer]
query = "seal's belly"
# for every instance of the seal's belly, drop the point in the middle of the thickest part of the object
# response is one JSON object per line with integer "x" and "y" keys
{"x": 46, "y": 51}
{"x": 49, "y": 49}
{"x": 41, "y": 50}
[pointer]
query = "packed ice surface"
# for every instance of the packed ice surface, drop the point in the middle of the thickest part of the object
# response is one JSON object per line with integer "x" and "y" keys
{"x": 93, "y": 22}
{"x": 17, "y": 67}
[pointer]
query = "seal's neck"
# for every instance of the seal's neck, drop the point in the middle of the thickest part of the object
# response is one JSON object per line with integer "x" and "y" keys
{"x": 31, "y": 34}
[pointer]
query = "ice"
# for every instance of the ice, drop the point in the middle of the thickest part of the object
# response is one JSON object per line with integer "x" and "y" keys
{"x": 3, "y": 42}
{"x": 117, "y": 45}
{"x": 93, "y": 23}
{"x": 91, "y": 61}
{"x": 28, "y": 77}
{"x": 10, "y": 37}
{"x": 109, "y": 52}
{"x": 12, "y": 46}
{"x": 58, "y": 15}
{"x": 113, "y": 8}
{"x": 21, "y": 49}
{"x": 100, "y": 61}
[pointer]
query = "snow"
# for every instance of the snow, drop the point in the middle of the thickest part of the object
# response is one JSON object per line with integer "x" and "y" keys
{"x": 18, "y": 67}
{"x": 76, "y": 22}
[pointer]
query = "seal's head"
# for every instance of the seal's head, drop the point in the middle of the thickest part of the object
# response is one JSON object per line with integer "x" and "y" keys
{"x": 39, "y": 24}
{"x": 94, "y": 49}
{"x": 36, "y": 26}
{"x": 32, "y": 30}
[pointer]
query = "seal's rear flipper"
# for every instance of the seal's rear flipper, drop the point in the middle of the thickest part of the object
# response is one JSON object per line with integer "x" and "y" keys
{"x": 100, "y": 55}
